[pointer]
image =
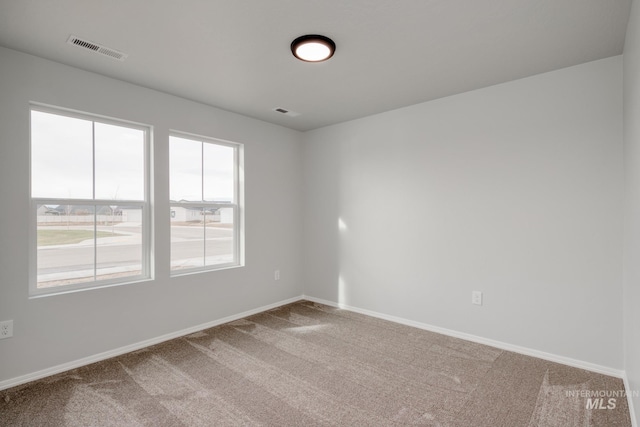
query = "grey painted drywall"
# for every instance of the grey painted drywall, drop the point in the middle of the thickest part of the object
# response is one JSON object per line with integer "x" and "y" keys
{"x": 58, "y": 329}
{"x": 632, "y": 204}
{"x": 514, "y": 190}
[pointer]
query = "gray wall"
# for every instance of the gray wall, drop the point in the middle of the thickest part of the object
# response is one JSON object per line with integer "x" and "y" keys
{"x": 514, "y": 190}
{"x": 58, "y": 329}
{"x": 632, "y": 205}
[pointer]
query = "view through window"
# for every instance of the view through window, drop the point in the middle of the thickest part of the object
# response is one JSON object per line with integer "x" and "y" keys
{"x": 204, "y": 203}
{"x": 89, "y": 199}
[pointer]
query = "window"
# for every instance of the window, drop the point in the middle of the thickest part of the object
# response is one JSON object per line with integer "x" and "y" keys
{"x": 89, "y": 201}
{"x": 204, "y": 192}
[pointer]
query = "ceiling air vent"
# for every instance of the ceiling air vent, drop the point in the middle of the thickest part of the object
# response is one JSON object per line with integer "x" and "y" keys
{"x": 97, "y": 48}
{"x": 286, "y": 112}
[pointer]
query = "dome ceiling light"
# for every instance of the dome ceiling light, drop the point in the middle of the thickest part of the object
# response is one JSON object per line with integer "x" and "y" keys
{"x": 313, "y": 48}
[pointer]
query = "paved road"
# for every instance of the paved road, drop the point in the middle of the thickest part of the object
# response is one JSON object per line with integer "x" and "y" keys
{"x": 125, "y": 252}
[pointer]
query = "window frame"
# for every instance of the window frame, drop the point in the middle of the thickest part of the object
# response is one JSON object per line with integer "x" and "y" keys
{"x": 237, "y": 205}
{"x": 146, "y": 272}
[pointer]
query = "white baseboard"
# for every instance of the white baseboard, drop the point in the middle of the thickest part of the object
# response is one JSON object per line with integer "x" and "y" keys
{"x": 474, "y": 338}
{"x": 632, "y": 411}
{"x": 12, "y": 382}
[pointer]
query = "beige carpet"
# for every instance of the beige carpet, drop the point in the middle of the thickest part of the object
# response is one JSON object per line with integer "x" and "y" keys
{"x": 307, "y": 364}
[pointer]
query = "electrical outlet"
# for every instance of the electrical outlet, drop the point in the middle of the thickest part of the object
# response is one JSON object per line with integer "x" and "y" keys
{"x": 6, "y": 329}
{"x": 476, "y": 297}
{"x": 276, "y": 275}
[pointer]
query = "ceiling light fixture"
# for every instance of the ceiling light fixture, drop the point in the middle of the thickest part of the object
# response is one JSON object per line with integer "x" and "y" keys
{"x": 313, "y": 48}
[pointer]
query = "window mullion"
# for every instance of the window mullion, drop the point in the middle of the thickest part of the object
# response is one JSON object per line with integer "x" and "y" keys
{"x": 202, "y": 171}
{"x": 93, "y": 196}
{"x": 93, "y": 160}
{"x": 236, "y": 204}
{"x": 95, "y": 244}
{"x": 203, "y": 212}
{"x": 204, "y": 237}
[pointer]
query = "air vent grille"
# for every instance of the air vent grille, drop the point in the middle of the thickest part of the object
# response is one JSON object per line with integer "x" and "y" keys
{"x": 97, "y": 48}
{"x": 285, "y": 112}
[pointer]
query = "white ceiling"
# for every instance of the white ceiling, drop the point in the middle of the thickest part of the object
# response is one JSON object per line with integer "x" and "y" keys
{"x": 234, "y": 54}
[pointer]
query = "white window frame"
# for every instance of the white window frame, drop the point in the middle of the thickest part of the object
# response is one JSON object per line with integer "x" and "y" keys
{"x": 146, "y": 238}
{"x": 237, "y": 206}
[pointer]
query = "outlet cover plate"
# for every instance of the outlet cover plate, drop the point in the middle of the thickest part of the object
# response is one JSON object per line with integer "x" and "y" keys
{"x": 476, "y": 297}
{"x": 6, "y": 329}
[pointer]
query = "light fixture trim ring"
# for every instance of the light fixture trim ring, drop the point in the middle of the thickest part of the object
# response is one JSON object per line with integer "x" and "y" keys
{"x": 313, "y": 38}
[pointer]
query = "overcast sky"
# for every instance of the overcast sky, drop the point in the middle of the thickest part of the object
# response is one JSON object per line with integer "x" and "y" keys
{"x": 62, "y": 162}
{"x": 187, "y": 178}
